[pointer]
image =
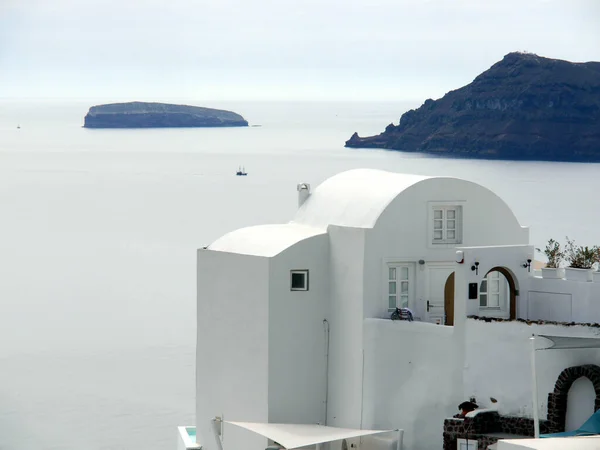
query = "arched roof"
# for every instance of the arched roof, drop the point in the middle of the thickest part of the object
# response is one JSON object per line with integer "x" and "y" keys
{"x": 355, "y": 198}
{"x": 264, "y": 240}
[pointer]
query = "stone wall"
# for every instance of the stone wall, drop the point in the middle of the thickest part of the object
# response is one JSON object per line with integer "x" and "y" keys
{"x": 522, "y": 426}
{"x": 482, "y": 427}
{"x": 557, "y": 400}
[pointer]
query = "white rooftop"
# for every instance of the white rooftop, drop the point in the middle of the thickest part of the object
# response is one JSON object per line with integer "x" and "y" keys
{"x": 264, "y": 240}
{"x": 355, "y": 198}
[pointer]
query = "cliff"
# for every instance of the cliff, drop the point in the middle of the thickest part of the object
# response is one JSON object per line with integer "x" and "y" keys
{"x": 159, "y": 115}
{"x": 524, "y": 107}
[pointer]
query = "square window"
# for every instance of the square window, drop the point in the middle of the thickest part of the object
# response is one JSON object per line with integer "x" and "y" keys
{"x": 392, "y": 289}
{"x": 494, "y": 301}
{"x": 299, "y": 280}
{"x": 404, "y": 287}
{"x": 446, "y": 226}
{"x": 392, "y": 273}
{"x": 483, "y": 300}
{"x": 404, "y": 273}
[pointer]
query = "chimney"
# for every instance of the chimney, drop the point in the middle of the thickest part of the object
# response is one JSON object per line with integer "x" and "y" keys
{"x": 303, "y": 193}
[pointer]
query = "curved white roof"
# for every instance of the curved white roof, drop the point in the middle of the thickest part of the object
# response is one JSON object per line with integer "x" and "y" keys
{"x": 264, "y": 240}
{"x": 355, "y": 198}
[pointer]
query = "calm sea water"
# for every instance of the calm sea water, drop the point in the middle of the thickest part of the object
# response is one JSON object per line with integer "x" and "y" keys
{"x": 99, "y": 231}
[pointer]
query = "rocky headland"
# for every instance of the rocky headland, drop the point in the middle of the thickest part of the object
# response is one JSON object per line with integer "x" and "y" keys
{"x": 159, "y": 115}
{"x": 525, "y": 107}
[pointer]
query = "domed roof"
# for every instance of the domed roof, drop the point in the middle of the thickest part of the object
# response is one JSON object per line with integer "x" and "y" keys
{"x": 355, "y": 198}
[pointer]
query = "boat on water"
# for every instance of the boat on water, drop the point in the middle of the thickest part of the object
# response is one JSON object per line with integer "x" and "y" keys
{"x": 241, "y": 172}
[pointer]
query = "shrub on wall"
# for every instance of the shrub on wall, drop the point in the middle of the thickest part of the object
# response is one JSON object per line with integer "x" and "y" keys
{"x": 554, "y": 253}
{"x": 580, "y": 257}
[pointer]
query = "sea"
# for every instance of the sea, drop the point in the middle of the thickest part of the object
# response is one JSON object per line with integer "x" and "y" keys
{"x": 98, "y": 237}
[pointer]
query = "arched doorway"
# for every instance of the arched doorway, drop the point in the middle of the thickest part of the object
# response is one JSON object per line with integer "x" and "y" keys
{"x": 449, "y": 299}
{"x": 498, "y": 294}
{"x": 558, "y": 400}
{"x": 580, "y": 403}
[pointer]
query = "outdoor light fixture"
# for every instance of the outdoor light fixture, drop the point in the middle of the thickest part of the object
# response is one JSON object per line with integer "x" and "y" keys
{"x": 527, "y": 265}
{"x": 475, "y": 267}
{"x": 460, "y": 256}
{"x": 421, "y": 261}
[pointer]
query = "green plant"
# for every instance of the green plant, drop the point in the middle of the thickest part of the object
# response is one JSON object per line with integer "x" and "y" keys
{"x": 554, "y": 254}
{"x": 580, "y": 257}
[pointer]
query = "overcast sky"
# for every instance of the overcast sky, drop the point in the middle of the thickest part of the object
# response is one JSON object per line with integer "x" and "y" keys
{"x": 277, "y": 49}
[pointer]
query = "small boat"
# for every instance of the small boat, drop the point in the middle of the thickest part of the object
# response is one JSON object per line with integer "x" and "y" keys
{"x": 241, "y": 172}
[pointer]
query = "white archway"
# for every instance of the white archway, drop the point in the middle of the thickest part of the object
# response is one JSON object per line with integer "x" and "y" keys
{"x": 580, "y": 403}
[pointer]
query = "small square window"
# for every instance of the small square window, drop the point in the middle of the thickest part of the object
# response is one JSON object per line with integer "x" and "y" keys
{"x": 299, "y": 280}
{"x": 446, "y": 226}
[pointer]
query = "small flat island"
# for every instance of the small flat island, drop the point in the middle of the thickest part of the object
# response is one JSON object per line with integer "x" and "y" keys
{"x": 159, "y": 115}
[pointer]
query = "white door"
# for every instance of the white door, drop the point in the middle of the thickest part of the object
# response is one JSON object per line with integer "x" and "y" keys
{"x": 434, "y": 306}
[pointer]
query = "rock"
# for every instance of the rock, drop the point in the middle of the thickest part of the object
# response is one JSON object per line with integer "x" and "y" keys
{"x": 524, "y": 107}
{"x": 159, "y": 115}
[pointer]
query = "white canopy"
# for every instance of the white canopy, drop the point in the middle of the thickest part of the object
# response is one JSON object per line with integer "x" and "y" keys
{"x": 296, "y": 435}
{"x": 561, "y": 342}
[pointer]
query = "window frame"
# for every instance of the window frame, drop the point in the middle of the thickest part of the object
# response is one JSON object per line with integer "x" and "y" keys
{"x": 503, "y": 309}
{"x": 458, "y": 208}
{"x": 470, "y": 444}
{"x": 299, "y": 272}
{"x": 410, "y": 280}
{"x": 488, "y": 293}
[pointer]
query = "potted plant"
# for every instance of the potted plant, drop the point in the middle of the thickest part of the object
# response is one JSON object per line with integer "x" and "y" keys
{"x": 555, "y": 255}
{"x": 596, "y": 274}
{"x": 581, "y": 261}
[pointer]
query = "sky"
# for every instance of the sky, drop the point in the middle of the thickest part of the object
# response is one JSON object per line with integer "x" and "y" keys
{"x": 277, "y": 49}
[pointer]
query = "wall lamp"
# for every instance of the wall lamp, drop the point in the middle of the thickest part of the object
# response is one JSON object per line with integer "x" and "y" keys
{"x": 460, "y": 256}
{"x": 527, "y": 265}
{"x": 475, "y": 267}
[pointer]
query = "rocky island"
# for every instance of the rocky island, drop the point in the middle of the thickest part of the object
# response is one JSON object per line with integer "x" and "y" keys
{"x": 525, "y": 107}
{"x": 159, "y": 115}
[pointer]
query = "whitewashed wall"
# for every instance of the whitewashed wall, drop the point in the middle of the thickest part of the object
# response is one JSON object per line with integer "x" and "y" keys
{"x": 510, "y": 257}
{"x": 497, "y": 363}
{"x": 410, "y": 379}
{"x": 562, "y": 300}
{"x": 232, "y": 345}
{"x": 346, "y": 335}
{"x": 297, "y": 339}
{"x": 402, "y": 233}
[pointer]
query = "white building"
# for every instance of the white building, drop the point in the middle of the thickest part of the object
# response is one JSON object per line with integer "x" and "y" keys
{"x": 293, "y": 319}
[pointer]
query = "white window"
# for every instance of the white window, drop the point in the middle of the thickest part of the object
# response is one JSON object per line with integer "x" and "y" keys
{"x": 447, "y": 224}
{"x": 466, "y": 444}
{"x": 399, "y": 285}
{"x": 493, "y": 291}
{"x": 299, "y": 280}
